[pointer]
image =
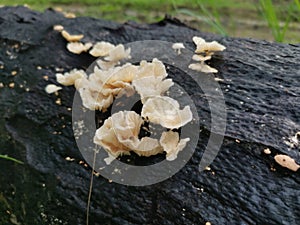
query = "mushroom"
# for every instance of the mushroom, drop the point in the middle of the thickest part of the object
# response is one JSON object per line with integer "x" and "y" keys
{"x": 155, "y": 68}
{"x": 202, "y": 67}
{"x": 177, "y": 47}
{"x": 201, "y": 58}
{"x": 171, "y": 144}
{"x": 71, "y": 38}
{"x": 105, "y": 136}
{"x": 58, "y": 28}
{"x": 119, "y": 135}
{"x": 69, "y": 78}
{"x": 51, "y": 88}
{"x": 207, "y": 47}
{"x": 165, "y": 111}
{"x": 151, "y": 86}
{"x": 101, "y": 49}
{"x": 94, "y": 99}
{"x": 118, "y": 53}
{"x": 78, "y": 47}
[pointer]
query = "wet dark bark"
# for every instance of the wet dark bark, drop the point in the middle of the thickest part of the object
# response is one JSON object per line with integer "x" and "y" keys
{"x": 262, "y": 94}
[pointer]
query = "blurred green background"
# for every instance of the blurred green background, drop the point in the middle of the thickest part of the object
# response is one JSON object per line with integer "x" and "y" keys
{"x": 273, "y": 20}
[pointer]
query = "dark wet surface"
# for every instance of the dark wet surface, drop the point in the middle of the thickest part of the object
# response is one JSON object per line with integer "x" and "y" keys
{"x": 261, "y": 89}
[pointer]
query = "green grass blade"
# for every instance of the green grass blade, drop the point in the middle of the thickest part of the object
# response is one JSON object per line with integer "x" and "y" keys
{"x": 11, "y": 159}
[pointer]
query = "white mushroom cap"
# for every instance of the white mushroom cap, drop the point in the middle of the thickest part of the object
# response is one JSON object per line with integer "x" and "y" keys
{"x": 202, "y": 67}
{"x": 151, "y": 86}
{"x": 105, "y": 136}
{"x": 58, "y": 28}
{"x": 204, "y": 47}
{"x": 51, "y": 88}
{"x": 119, "y": 135}
{"x": 172, "y": 146}
{"x": 210, "y": 47}
{"x": 95, "y": 100}
{"x": 101, "y": 49}
{"x": 118, "y": 53}
{"x": 78, "y": 47}
{"x": 201, "y": 58}
{"x": 71, "y": 38}
{"x": 178, "y": 46}
{"x": 155, "y": 68}
{"x": 69, "y": 78}
{"x": 165, "y": 111}
{"x": 198, "y": 40}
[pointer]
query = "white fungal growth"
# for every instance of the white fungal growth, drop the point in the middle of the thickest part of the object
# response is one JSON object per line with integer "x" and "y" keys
{"x": 155, "y": 68}
{"x": 71, "y": 38}
{"x": 177, "y": 47}
{"x": 151, "y": 86}
{"x": 119, "y": 136}
{"x": 172, "y": 145}
{"x": 101, "y": 49}
{"x": 52, "y": 88}
{"x": 58, "y": 28}
{"x": 202, "y": 67}
{"x": 204, "y": 51}
{"x": 118, "y": 53}
{"x": 106, "y": 137}
{"x": 78, "y": 47}
{"x": 165, "y": 111}
{"x": 69, "y": 78}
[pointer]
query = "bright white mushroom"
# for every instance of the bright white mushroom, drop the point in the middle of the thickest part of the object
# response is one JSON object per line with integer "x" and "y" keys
{"x": 51, "y": 88}
{"x": 177, "y": 47}
{"x": 165, "y": 111}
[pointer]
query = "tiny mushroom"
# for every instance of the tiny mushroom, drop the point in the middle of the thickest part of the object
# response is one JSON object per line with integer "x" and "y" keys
{"x": 58, "y": 28}
{"x": 52, "y": 88}
{"x": 202, "y": 67}
{"x": 78, "y": 47}
{"x": 71, "y": 38}
{"x": 165, "y": 111}
{"x": 204, "y": 51}
{"x": 177, "y": 47}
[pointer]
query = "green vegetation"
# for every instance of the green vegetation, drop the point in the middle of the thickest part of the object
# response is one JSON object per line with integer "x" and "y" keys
{"x": 262, "y": 19}
{"x": 269, "y": 13}
{"x": 11, "y": 159}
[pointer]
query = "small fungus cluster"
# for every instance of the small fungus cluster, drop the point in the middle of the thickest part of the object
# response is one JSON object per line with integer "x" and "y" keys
{"x": 204, "y": 51}
{"x": 112, "y": 78}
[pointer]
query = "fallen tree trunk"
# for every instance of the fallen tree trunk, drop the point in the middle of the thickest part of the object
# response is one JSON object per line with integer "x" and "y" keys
{"x": 260, "y": 83}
